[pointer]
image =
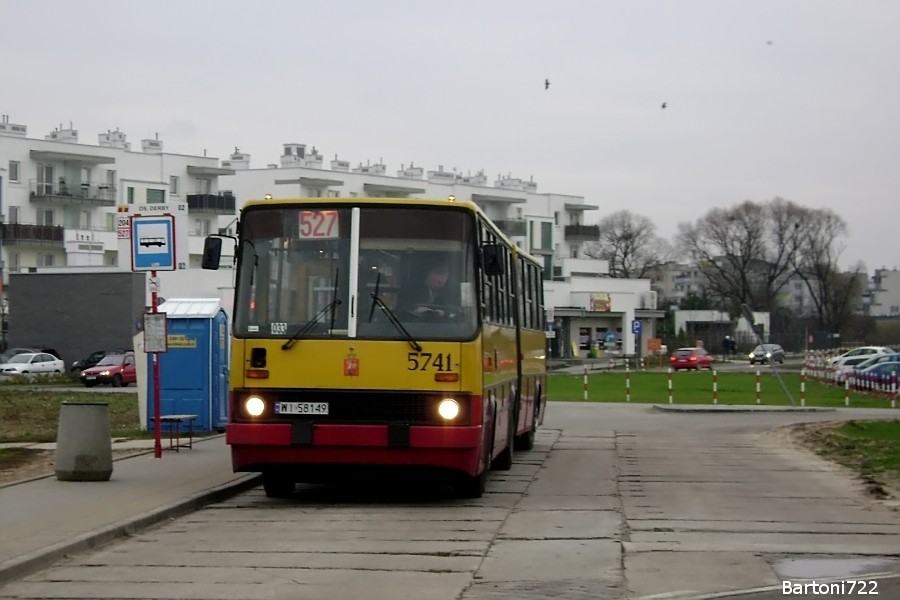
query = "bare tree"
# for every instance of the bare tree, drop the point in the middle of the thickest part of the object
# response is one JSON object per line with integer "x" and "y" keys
{"x": 746, "y": 252}
{"x": 834, "y": 293}
{"x": 630, "y": 244}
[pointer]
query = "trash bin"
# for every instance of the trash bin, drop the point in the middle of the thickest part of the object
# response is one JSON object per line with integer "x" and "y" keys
{"x": 83, "y": 444}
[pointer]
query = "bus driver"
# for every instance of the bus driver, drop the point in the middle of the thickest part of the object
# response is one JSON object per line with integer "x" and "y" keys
{"x": 429, "y": 297}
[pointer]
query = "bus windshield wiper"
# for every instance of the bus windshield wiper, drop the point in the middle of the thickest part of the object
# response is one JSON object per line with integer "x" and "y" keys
{"x": 331, "y": 306}
{"x": 376, "y": 300}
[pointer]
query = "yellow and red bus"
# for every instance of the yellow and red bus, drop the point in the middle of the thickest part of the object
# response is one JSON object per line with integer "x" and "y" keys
{"x": 333, "y": 371}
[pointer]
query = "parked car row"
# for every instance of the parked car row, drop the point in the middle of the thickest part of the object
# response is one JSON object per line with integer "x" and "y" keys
{"x": 115, "y": 367}
{"x": 857, "y": 356}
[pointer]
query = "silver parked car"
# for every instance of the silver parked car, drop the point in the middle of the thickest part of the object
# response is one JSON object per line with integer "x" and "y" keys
{"x": 765, "y": 352}
{"x": 32, "y": 363}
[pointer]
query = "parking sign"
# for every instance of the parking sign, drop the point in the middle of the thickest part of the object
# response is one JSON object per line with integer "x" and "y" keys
{"x": 636, "y": 327}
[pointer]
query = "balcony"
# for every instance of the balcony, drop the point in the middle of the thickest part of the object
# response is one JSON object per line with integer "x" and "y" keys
{"x": 589, "y": 233}
{"x": 18, "y": 234}
{"x": 512, "y": 227}
{"x": 82, "y": 193}
{"x": 222, "y": 204}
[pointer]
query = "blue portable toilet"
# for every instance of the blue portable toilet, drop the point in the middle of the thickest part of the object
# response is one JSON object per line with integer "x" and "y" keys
{"x": 193, "y": 373}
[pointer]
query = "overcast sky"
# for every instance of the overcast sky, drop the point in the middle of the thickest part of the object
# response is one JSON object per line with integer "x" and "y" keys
{"x": 765, "y": 98}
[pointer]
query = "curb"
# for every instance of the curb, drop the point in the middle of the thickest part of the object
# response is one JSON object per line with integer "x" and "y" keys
{"x": 21, "y": 566}
{"x": 735, "y": 408}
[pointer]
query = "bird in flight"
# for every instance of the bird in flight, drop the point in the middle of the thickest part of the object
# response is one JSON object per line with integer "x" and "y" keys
{"x": 663, "y": 105}
{"x": 546, "y": 84}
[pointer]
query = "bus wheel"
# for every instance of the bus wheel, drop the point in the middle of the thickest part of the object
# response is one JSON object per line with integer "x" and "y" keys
{"x": 526, "y": 440}
{"x": 276, "y": 485}
{"x": 471, "y": 486}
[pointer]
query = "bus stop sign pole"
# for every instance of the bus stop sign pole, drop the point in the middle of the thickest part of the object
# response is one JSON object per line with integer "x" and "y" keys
{"x": 153, "y": 249}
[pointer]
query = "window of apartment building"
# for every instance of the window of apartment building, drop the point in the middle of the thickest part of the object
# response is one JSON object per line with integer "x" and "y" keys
{"x": 45, "y": 216}
{"x": 173, "y": 185}
{"x": 86, "y": 175}
{"x": 573, "y": 251}
{"x": 15, "y": 261}
{"x": 556, "y": 217}
{"x": 44, "y": 179}
{"x": 14, "y": 171}
{"x": 156, "y": 196}
{"x": 334, "y": 193}
{"x": 203, "y": 186}
{"x": 111, "y": 221}
{"x": 548, "y": 268}
{"x": 44, "y": 259}
{"x": 111, "y": 177}
{"x": 546, "y": 236}
{"x": 201, "y": 227}
{"x": 130, "y": 195}
{"x": 13, "y": 214}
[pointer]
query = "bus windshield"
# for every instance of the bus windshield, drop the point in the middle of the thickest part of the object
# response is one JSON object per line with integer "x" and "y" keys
{"x": 410, "y": 270}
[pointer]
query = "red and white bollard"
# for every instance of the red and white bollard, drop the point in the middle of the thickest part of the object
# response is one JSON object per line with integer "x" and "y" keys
{"x": 803, "y": 387}
{"x": 585, "y": 383}
{"x": 758, "y": 388}
{"x": 670, "y": 386}
{"x": 715, "y": 388}
{"x": 627, "y": 384}
{"x": 894, "y": 389}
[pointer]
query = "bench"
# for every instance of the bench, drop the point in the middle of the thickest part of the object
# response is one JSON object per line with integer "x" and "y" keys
{"x": 175, "y": 422}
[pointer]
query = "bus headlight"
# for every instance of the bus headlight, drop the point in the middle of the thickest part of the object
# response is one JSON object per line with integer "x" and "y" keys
{"x": 254, "y": 405}
{"x": 448, "y": 409}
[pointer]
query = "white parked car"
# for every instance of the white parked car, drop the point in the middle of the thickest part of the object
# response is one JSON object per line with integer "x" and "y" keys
{"x": 858, "y": 355}
{"x": 32, "y": 363}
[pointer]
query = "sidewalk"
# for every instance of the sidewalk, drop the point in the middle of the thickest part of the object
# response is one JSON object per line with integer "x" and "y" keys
{"x": 44, "y": 519}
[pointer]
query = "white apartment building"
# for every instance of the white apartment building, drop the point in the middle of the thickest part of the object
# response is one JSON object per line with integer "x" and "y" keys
{"x": 63, "y": 205}
{"x": 882, "y": 298}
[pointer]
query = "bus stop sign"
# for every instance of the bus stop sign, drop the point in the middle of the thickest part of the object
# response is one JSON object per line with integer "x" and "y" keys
{"x": 153, "y": 243}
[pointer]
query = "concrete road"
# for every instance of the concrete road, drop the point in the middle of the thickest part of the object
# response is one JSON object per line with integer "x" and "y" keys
{"x": 615, "y": 501}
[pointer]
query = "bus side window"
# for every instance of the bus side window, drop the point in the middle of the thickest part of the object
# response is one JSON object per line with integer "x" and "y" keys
{"x": 492, "y": 259}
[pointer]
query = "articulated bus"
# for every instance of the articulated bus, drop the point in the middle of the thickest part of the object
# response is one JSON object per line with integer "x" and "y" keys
{"x": 340, "y": 365}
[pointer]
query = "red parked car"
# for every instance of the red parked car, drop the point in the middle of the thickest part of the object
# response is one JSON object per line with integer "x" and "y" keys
{"x": 115, "y": 369}
{"x": 691, "y": 358}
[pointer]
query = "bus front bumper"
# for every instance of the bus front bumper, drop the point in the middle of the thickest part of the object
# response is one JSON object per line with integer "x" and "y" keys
{"x": 255, "y": 447}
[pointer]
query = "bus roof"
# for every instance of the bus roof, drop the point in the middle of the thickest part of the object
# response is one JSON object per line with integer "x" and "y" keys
{"x": 468, "y": 204}
{"x": 347, "y": 200}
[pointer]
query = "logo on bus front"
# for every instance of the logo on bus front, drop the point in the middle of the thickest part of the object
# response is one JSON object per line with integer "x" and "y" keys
{"x": 351, "y": 366}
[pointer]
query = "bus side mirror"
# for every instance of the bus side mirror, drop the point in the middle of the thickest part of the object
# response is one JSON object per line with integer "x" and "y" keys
{"x": 492, "y": 259}
{"x": 212, "y": 253}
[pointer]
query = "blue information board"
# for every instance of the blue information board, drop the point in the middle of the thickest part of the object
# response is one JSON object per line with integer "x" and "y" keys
{"x": 153, "y": 243}
{"x": 636, "y": 327}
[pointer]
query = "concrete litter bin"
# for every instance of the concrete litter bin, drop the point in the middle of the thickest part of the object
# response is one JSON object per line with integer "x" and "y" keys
{"x": 83, "y": 444}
